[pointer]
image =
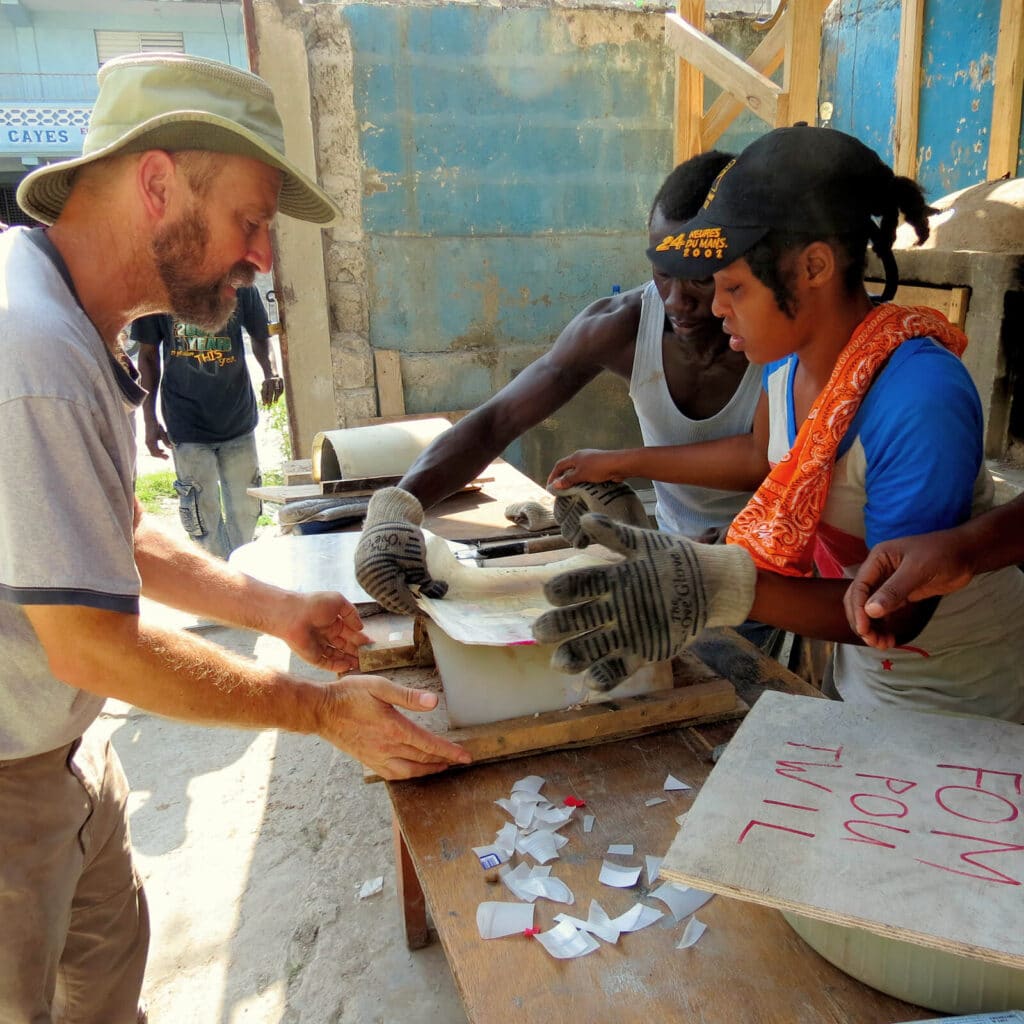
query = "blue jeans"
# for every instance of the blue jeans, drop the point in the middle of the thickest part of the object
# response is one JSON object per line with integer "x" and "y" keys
{"x": 212, "y": 481}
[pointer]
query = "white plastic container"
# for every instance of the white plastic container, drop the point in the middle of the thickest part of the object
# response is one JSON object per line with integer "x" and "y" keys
{"x": 486, "y": 684}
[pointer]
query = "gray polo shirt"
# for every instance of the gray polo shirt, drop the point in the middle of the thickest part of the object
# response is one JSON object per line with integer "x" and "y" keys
{"x": 67, "y": 459}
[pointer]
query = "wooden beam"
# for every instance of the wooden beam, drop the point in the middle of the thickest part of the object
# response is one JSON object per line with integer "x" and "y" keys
{"x": 689, "y": 101}
{"x": 390, "y": 398}
{"x": 766, "y": 59}
{"x": 908, "y": 87}
{"x": 760, "y": 94}
{"x": 803, "y": 57}
{"x": 1004, "y": 138}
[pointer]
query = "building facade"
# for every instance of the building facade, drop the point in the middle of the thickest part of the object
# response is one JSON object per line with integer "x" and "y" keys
{"x": 50, "y": 51}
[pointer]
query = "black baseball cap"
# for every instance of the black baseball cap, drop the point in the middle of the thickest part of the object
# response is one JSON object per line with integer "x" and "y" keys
{"x": 798, "y": 180}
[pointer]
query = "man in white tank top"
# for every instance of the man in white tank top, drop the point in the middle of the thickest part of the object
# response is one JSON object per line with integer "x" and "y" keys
{"x": 686, "y": 383}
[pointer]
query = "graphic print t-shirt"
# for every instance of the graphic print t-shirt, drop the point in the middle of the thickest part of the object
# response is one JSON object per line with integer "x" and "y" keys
{"x": 206, "y": 396}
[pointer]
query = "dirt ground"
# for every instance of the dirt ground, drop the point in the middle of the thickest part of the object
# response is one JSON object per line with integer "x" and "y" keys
{"x": 253, "y": 847}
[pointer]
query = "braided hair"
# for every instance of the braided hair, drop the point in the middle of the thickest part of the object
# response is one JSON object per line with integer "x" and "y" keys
{"x": 872, "y": 191}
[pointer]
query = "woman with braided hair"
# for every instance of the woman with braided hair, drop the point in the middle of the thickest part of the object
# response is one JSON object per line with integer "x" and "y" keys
{"x": 869, "y": 428}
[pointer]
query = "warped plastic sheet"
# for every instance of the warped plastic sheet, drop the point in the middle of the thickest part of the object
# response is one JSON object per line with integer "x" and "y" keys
{"x": 495, "y": 920}
{"x": 691, "y": 933}
{"x": 672, "y": 784}
{"x": 680, "y": 899}
{"x": 493, "y": 606}
{"x": 618, "y": 876}
{"x": 566, "y": 942}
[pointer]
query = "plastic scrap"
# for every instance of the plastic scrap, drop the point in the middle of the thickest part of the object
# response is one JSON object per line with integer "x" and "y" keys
{"x": 529, "y": 784}
{"x": 529, "y": 884}
{"x": 653, "y": 867}
{"x": 371, "y": 887}
{"x": 565, "y": 941}
{"x": 618, "y": 876}
{"x": 637, "y": 917}
{"x": 588, "y": 823}
{"x": 597, "y": 923}
{"x": 672, "y": 784}
{"x": 692, "y": 933}
{"x": 625, "y": 849}
{"x": 495, "y": 920}
{"x": 681, "y": 899}
{"x": 654, "y": 801}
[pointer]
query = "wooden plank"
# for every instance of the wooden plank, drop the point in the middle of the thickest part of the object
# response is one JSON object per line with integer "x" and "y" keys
{"x": 908, "y": 87}
{"x": 689, "y": 98}
{"x": 388, "y": 367}
{"x": 803, "y": 57}
{"x": 282, "y": 494}
{"x": 950, "y": 302}
{"x": 708, "y": 697}
{"x": 900, "y": 823}
{"x": 1004, "y": 137}
{"x": 410, "y": 892}
{"x": 297, "y": 471}
{"x": 760, "y": 94}
{"x": 411, "y": 648}
{"x": 766, "y": 58}
{"x": 749, "y": 968}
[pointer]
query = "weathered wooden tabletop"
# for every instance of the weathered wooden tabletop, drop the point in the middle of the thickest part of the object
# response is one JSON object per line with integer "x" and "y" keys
{"x": 749, "y": 967}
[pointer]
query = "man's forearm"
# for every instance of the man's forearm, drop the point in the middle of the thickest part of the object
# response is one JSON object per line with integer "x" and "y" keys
{"x": 178, "y": 573}
{"x": 994, "y": 540}
{"x": 175, "y": 674}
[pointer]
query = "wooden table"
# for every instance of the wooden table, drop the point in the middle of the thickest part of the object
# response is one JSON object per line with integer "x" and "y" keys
{"x": 471, "y": 516}
{"x": 748, "y": 968}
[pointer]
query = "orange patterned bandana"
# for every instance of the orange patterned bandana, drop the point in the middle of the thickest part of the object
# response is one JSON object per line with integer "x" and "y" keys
{"x": 778, "y": 524}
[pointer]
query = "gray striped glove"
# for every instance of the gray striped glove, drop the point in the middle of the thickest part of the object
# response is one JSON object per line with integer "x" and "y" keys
{"x": 531, "y": 515}
{"x": 616, "y": 500}
{"x": 391, "y": 554}
{"x": 614, "y": 619}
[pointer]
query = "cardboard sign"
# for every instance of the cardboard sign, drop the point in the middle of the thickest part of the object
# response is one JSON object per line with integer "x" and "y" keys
{"x": 904, "y": 823}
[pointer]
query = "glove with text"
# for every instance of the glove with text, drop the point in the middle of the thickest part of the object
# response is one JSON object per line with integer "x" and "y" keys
{"x": 391, "y": 554}
{"x": 611, "y": 620}
{"x": 531, "y": 515}
{"x": 618, "y": 501}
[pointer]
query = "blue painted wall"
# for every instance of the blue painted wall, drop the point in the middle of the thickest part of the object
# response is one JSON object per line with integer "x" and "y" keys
{"x": 514, "y": 171}
{"x": 860, "y": 48}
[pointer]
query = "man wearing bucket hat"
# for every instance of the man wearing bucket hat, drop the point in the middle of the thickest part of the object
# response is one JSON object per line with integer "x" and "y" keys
{"x": 181, "y": 173}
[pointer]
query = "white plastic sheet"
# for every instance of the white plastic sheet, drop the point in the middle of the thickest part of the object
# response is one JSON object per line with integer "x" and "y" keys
{"x": 588, "y": 823}
{"x": 637, "y": 917}
{"x": 673, "y": 784}
{"x": 681, "y": 899}
{"x": 495, "y": 920}
{"x": 371, "y": 887}
{"x": 618, "y": 876}
{"x": 653, "y": 867}
{"x": 623, "y": 849}
{"x": 691, "y": 933}
{"x": 654, "y": 801}
{"x": 565, "y": 941}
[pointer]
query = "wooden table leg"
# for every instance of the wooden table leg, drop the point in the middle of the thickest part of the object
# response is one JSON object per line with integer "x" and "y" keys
{"x": 410, "y": 892}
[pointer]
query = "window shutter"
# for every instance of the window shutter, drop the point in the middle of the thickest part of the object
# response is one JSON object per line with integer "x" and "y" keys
{"x": 114, "y": 43}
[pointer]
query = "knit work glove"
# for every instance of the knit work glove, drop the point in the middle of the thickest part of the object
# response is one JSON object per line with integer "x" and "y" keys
{"x": 614, "y": 619}
{"x": 391, "y": 554}
{"x": 618, "y": 501}
{"x": 531, "y": 515}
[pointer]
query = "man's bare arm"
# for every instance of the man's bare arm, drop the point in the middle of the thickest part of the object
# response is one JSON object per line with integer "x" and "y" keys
{"x": 185, "y": 677}
{"x": 597, "y": 338}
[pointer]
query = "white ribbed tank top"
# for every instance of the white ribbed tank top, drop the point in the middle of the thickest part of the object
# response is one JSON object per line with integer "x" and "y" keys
{"x": 682, "y": 508}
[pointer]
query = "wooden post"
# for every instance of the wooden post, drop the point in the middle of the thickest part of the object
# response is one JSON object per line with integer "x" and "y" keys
{"x": 908, "y": 87}
{"x": 689, "y": 107}
{"x": 803, "y": 56}
{"x": 1006, "y": 99}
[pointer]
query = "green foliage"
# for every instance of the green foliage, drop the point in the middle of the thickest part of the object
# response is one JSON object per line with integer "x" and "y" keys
{"x": 277, "y": 417}
{"x": 156, "y": 491}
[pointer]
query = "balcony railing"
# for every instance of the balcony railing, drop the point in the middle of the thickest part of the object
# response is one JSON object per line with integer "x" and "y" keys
{"x": 47, "y": 88}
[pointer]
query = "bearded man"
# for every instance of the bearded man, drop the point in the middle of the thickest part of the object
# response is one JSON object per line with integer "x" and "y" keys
{"x": 168, "y": 210}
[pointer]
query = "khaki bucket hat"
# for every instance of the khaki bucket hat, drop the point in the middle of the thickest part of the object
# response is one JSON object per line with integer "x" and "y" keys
{"x": 174, "y": 101}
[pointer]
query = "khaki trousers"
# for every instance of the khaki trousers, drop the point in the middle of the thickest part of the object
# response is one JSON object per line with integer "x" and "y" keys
{"x": 74, "y": 927}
